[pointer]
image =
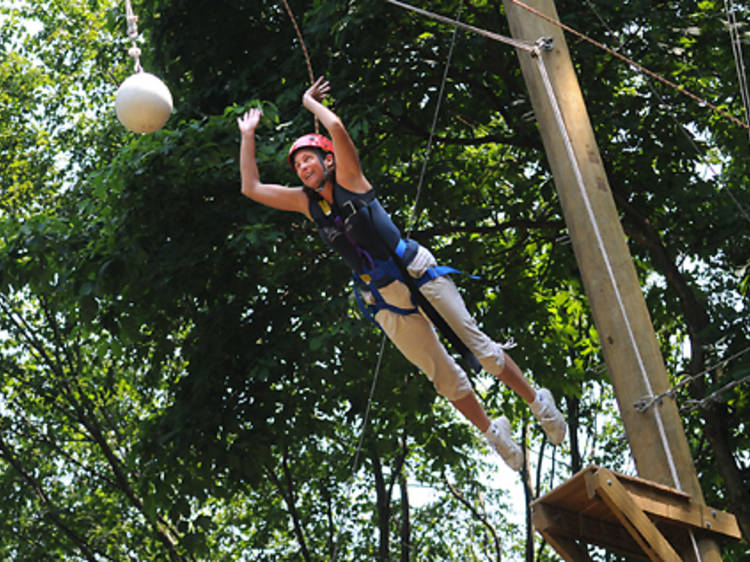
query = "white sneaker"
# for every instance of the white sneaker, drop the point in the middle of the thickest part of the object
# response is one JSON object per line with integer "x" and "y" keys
{"x": 549, "y": 416}
{"x": 499, "y": 438}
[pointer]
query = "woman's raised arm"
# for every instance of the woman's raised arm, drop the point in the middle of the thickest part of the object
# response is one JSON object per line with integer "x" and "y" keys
{"x": 348, "y": 169}
{"x": 272, "y": 195}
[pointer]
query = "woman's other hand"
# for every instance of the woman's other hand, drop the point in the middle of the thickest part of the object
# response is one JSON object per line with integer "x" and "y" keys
{"x": 317, "y": 92}
{"x": 249, "y": 121}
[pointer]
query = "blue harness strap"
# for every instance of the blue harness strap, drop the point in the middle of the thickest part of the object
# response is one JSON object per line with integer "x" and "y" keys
{"x": 388, "y": 269}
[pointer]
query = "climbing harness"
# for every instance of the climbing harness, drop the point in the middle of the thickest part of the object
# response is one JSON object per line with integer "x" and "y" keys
{"x": 420, "y": 301}
{"x": 371, "y": 245}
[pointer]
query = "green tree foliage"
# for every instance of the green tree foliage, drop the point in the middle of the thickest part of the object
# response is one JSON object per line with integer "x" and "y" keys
{"x": 185, "y": 375}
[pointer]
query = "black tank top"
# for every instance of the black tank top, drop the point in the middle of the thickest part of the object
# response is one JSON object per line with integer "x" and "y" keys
{"x": 357, "y": 222}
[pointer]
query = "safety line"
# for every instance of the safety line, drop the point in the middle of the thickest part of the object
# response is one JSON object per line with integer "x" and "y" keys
{"x": 692, "y": 404}
{"x": 538, "y": 57}
{"x": 645, "y": 403}
{"x": 701, "y": 156}
{"x": 362, "y": 432}
{"x": 376, "y": 374}
{"x": 413, "y": 217}
{"x": 368, "y": 407}
{"x": 523, "y": 45}
{"x": 631, "y": 62}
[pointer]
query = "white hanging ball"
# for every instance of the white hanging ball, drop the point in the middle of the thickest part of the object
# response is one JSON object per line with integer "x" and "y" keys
{"x": 143, "y": 103}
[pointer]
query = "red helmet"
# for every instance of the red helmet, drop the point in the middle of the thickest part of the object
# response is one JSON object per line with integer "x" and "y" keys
{"x": 312, "y": 140}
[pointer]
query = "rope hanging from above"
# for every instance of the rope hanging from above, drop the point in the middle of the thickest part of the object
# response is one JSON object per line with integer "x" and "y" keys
{"x": 413, "y": 213}
{"x": 306, "y": 54}
{"x": 134, "y": 50}
{"x": 411, "y": 221}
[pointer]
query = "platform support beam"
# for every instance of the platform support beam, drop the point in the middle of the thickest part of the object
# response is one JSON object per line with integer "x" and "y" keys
{"x": 640, "y": 527}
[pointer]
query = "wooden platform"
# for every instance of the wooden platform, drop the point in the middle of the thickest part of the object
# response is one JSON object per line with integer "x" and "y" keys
{"x": 624, "y": 514}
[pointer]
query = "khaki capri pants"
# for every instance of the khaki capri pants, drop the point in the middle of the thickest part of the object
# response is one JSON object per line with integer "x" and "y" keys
{"x": 416, "y": 338}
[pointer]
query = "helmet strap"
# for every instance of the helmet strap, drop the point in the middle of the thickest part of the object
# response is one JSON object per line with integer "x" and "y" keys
{"x": 326, "y": 171}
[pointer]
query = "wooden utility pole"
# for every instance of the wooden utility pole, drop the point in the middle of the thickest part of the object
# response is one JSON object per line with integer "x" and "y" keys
{"x": 631, "y": 351}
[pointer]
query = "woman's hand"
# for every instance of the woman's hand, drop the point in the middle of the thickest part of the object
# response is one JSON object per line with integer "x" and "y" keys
{"x": 317, "y": 92}
{"x": 249, "y": 121}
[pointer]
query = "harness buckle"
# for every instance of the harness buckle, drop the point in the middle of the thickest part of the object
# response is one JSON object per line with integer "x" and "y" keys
{"x": 349, "y": 205}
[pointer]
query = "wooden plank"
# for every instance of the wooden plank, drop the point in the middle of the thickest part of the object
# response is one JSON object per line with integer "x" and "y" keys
{"x": 717, "y": 521}
{"x": 669, "y": 505}
{"x": 549, "y": 520}
{"x": 614, "y": 494}
{"x": 634, "y": 481}
{"x": 689, "y": 514}
{"x": 677, "y": 508}
{"x": 570, "y": 550}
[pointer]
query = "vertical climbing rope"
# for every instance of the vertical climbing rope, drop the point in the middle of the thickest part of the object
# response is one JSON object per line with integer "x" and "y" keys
{"x": 361, "y": 440}
{"x": 413, "y": 213}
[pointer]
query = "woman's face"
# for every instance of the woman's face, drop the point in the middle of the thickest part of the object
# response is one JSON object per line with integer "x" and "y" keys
{"x": 308, "y": 167}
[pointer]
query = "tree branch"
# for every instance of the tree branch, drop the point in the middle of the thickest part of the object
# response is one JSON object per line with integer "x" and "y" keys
{"x": 481, "y": 517}
{"x": 52, "y": 511}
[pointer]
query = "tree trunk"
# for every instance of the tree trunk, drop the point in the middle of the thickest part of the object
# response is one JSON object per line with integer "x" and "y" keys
{"x": 573, "y": 406}
{"x": 287, "y": 489}
{"x": 529, "y": 492}
{"x": 405, "y": 530}
{"x": 383, "y": 503}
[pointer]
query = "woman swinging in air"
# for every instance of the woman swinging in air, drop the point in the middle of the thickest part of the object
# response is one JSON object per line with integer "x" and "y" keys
{"x": 337, "y": 196}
